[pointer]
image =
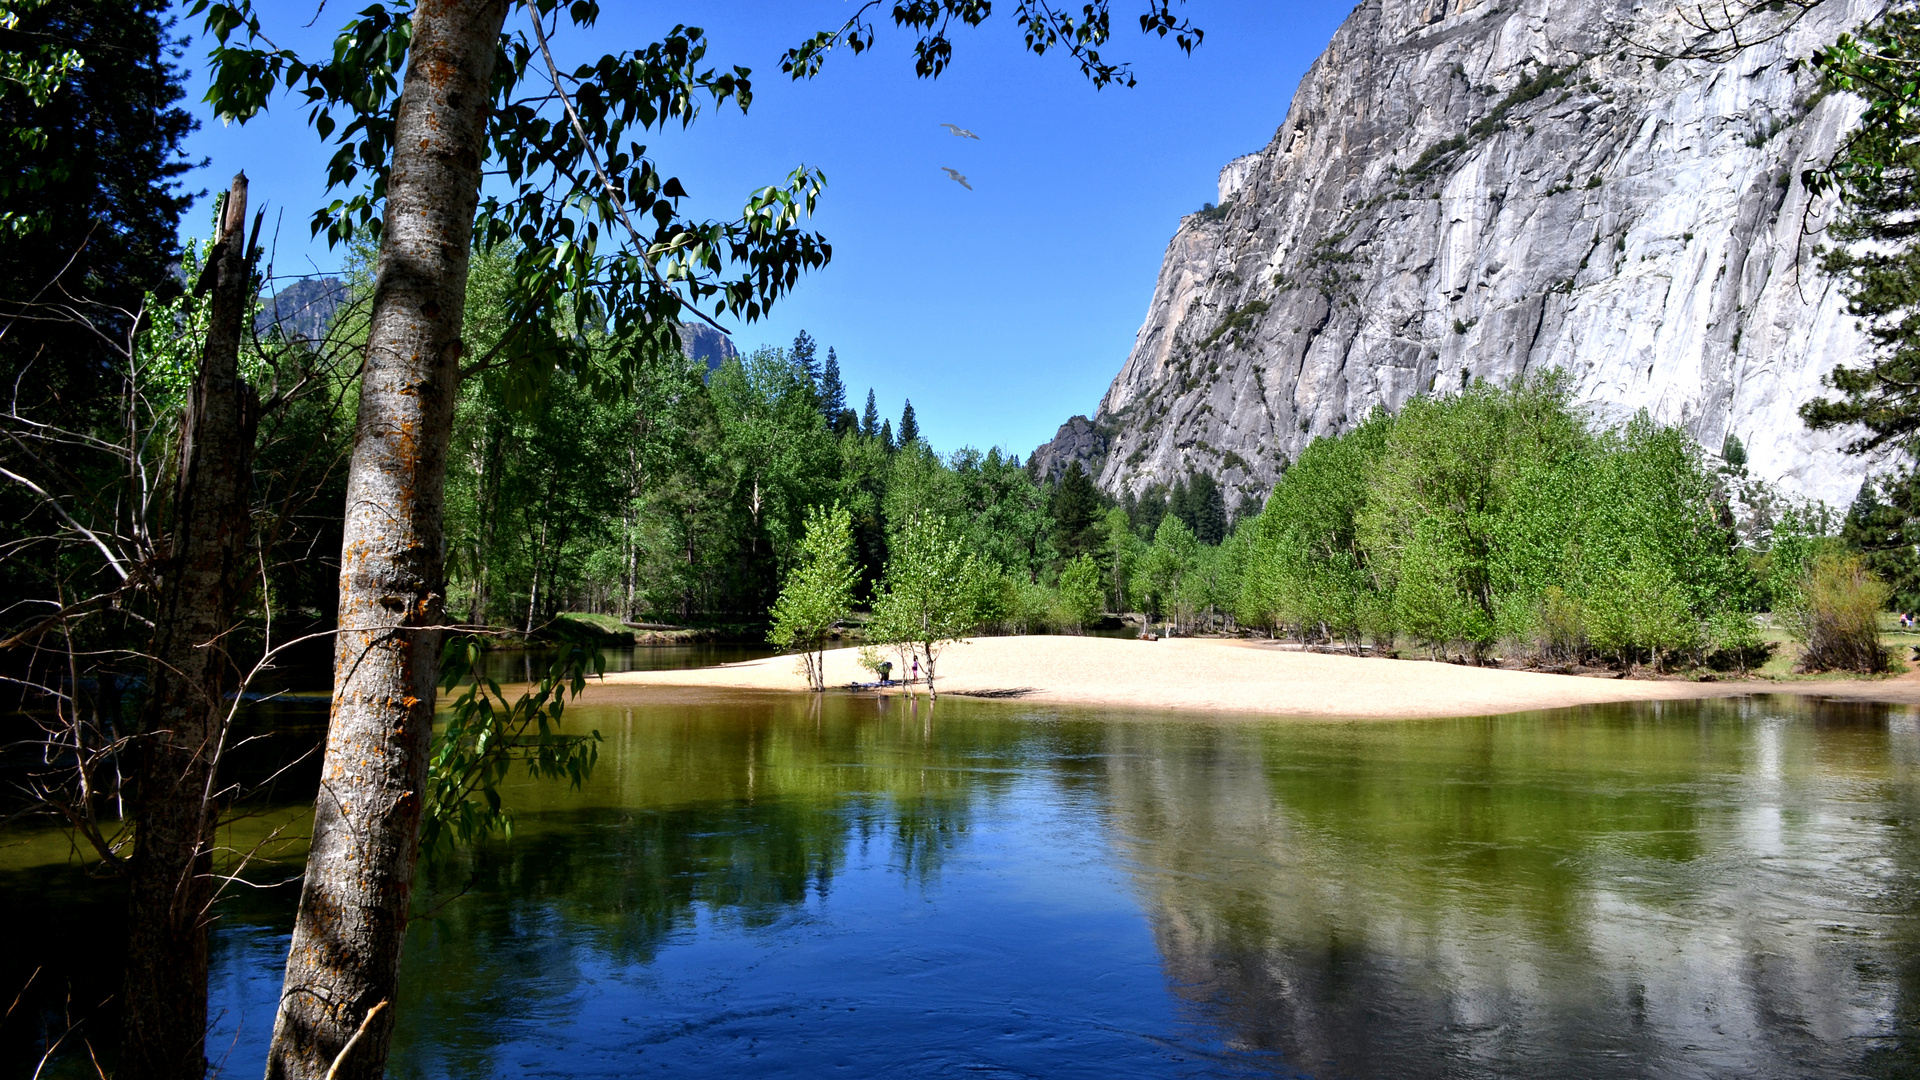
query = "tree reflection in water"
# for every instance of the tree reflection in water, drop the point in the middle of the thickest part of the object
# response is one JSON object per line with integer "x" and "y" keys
{"x": 776, "y": 885}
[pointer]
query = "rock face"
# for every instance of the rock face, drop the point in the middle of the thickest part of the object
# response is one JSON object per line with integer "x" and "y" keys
{"x": 302, "y": 309}
{"x": 702, "y": 342}
{"x": 1469, "y": 189}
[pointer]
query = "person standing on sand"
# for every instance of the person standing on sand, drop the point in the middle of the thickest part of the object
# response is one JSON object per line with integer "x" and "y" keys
{"x": 916, "y": 669}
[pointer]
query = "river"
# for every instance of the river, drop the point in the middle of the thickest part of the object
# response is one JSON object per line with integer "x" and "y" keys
{"x": 774, "y": 885}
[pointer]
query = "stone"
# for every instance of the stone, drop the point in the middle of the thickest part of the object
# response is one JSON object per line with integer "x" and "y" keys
{"x": 1471, "y": 189}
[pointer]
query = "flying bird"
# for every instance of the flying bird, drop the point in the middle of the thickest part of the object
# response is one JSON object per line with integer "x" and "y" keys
{"x": 960, "y": 131}
{"x": 954, "y": 175}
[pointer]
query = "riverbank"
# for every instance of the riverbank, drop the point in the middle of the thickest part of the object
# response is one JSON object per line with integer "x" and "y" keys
{"x": 1225, "y": 676}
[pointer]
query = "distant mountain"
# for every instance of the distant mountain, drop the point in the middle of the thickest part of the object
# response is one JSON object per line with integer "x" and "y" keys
{"x": 302, "y": 309}
{"x": 703, "y": 342}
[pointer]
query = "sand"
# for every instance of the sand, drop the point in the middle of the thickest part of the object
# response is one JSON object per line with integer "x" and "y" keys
{"x": 1246, "y": 678}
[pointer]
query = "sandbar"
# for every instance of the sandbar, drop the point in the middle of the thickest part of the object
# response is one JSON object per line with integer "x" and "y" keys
{"x": 1249, "y": 678}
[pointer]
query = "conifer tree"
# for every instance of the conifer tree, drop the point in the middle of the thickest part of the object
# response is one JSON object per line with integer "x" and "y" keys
{"x": 886, "y": 434}
{"x": 803, "y": 357}
{"x": 909, "y": 427}
{"x": 870, "y": 418}
{"x": 833, "y": 393}
{"x": 1075, "y": 503}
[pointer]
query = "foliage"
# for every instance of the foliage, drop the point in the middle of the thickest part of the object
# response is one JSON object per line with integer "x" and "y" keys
{"x": 1837, "y": 619}
{"x": 818, "y": 591}
{"x": 1074, "y": 505}
{"x": 484, "y": 733}
{"x": 1044, "y": 28}
{"x": 1163, "y": 571}
{"x": 909, "y": 426}
{"x": 1082, "y": 592}
{"x": 1881, "y": 526}
{"x": 935, "y": 591}
{"x": 1307, "y": 570}
{"x": 1874, "y": 173}
{"x": 29, "y": 77}
{"x": 1497, "y": 515}
{"x": 572, "y": 183}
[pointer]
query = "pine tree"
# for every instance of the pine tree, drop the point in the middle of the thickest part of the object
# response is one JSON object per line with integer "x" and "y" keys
{"x": 1207, "y": 509}
{"x": 909, "y": 427}
{"x": 870, "y": 419}
{"x": 93, "y": 193}
{"x": 833, "y": 393}
{"x": 1075, "y": 504}
{"x": 1881, "y": 526}
{"x": 802, "y": 355}
{"x": 886, "y": 434}
{"x": 1877, "y": 259}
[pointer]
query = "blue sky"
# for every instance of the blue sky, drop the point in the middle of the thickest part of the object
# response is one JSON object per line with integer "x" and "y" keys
{"x": 999, "y": 311}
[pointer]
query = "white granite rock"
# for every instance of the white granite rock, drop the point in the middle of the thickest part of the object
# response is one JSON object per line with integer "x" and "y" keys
{"x": 1635, "y": 223}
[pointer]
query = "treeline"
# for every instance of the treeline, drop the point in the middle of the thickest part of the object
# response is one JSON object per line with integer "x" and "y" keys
{"x": 658, "y": 489}
{"x": 1493, "y": 523}
{"x": 1497, "y": 519}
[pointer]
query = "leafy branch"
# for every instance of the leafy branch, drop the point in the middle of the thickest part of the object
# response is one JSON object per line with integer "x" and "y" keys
{"x": 485, "y": 733}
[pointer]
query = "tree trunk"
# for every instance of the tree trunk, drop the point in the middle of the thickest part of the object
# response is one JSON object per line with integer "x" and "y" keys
{"x": 345, "y": 957}
{"x": 170, "y": 887}
{"x": 533, "y": 590}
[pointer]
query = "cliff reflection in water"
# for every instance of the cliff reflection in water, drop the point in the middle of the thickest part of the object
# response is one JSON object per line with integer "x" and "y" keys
{"x": 1722, "y": 888}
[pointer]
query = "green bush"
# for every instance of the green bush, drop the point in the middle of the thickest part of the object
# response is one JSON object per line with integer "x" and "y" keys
{"x": 1837, "y": 619}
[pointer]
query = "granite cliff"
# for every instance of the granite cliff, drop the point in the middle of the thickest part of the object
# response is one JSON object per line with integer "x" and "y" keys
{"x": 1485, "y": 188}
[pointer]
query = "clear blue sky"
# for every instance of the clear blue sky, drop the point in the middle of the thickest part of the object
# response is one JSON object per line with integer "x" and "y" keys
{"x": 999, "y": 311}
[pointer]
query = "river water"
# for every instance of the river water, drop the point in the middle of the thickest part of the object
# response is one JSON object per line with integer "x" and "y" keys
{"x": 772, "y": 885}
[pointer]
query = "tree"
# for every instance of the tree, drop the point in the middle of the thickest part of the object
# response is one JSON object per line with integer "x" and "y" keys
{"x": 204, "y": 574}
{"x": 1881, "y": 526}
{"x": 886, "y": 436}
{"x": 1204, "y": 509}
{"x": 833, "y": 396}
{"x": 94, "y": 137}
{"x": 427, "y": 151}
{"x": 818, "y": 592}
{"x": 1075, "y": 505}
{"x": 803, "y": 354}
{"x": 567, "y": 172}
{"x": 909, "y": 426}
{"x": 90, "y": 160}
{"x": 933, "y": 593}
{"x": 1118, "y": 556}
{"x": 870, "y": 418}
{"x": 174, "y": 511}
{"x": 1876, "y": 175}
{"x": 1082, "y": 592}
{"x": 1168, "y": 562}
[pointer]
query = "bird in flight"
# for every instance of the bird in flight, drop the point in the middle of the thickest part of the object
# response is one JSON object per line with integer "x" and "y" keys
{"x": 960, "y": 131}
{"x": 954, "y": 175}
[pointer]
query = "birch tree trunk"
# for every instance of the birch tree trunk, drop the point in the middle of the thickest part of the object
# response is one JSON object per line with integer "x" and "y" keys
{"x": 345, "y": 958}
{"x": 164, "y": 988}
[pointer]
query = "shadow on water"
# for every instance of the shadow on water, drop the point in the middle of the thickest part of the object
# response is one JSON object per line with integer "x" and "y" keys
{"x": 777, "y": 886}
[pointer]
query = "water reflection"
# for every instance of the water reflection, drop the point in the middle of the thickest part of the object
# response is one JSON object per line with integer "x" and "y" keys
{"x": 773, "y": 885}
{"x": 1707, "y": 889}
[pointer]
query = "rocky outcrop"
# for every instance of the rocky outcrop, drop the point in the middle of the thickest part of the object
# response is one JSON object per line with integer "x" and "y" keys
{"x": 702, "y": 342}
{"x": 302, "y": 309}
{"x": 1469, "y": 189}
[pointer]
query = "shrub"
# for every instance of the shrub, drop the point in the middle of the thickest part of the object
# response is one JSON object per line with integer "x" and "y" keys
{"x": 1837, "y": 619}
{"x": 1560, "y": 628}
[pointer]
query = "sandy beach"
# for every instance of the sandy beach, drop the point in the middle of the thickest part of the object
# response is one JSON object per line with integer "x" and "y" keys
{"x": 1247, "y": 677}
